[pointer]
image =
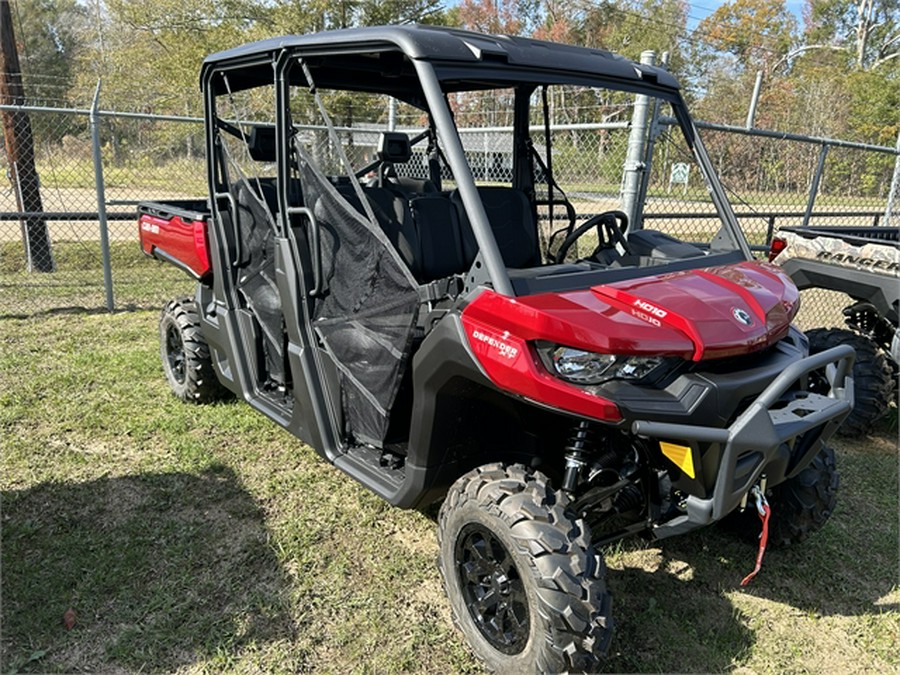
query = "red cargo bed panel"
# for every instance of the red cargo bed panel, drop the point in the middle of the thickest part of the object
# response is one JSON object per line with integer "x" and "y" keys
{"x": 175, "y": 232}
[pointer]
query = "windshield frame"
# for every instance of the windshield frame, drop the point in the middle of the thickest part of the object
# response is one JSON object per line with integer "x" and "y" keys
{"x": 449, "y": 78}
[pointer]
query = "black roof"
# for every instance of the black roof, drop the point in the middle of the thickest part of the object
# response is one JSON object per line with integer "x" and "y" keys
{"x": 450, "y": 46}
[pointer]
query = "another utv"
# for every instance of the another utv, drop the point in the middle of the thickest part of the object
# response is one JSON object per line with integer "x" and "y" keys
{"x": 450, "y": 319}
{"x": 863, "y": 264}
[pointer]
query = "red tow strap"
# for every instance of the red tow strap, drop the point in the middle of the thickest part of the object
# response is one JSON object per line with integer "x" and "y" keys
{"x": 764, "y": 510}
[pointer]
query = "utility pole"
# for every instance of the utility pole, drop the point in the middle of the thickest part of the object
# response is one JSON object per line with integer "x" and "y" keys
{"x": 19, "y": 144}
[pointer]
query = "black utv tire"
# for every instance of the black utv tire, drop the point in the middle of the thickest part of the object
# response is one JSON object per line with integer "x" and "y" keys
{"x": 800, "y": 505}
{"x": 185, "y": 355}
{"x": 873, "y": 384}
{"x": 526, "y": 586}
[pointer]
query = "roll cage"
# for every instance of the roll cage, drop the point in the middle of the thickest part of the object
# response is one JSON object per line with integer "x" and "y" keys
{"x": 421, "y": 66}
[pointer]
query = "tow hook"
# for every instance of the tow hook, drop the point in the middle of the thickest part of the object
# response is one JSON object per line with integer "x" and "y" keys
{"x": 761, "y": 488}
{"x": 758, "y": 492}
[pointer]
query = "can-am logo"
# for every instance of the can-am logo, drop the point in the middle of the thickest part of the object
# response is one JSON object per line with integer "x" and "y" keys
{"x": 504, "y": 348}
{"x": 742, "y": 316}
{"x": 647, "y": 312}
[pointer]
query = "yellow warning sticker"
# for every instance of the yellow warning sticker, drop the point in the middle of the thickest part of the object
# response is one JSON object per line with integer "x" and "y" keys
{"x": 680, "y": 455}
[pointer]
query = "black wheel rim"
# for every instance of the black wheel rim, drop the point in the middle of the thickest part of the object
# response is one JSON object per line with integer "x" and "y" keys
{"x": 175, "y": 353}
{"x": 492, "y": 589}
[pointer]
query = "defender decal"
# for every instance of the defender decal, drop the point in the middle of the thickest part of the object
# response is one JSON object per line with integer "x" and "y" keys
{"x": 503, "y": 348}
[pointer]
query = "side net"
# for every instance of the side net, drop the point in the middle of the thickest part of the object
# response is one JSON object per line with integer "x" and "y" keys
{"x": 366, "y": 317}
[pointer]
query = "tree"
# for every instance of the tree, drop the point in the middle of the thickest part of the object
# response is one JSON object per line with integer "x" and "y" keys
{"x": 631, "y": 27}
{"x": 51, "y": 35}
{"x": 19, "y": 145}
{"x": 296, "y": 16}
{"x": 502, "y": 17}
{"x": 868, "y": 30}
{"x": 758, "y": 33}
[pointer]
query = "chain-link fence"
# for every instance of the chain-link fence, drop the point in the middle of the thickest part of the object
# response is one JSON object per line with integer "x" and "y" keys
{"x": 52, "y": 255}
{"x": 51, "y": 233}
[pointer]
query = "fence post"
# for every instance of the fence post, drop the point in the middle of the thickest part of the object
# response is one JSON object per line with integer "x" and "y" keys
{"x": 814, "y": 186}
{"x": 754, "y": 100}
{"x": 653, "y": 132}
{"x": 634, "y": 160}
{"x": 101, "y": 198}
{"x": 895, "y": 185}
{"x": 392, "y": 114}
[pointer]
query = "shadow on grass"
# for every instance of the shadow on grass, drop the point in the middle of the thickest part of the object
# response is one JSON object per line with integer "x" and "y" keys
{"x": 76, "y": 310}
{"x": 671, "y": 616}
{"x": 162, "y": 570}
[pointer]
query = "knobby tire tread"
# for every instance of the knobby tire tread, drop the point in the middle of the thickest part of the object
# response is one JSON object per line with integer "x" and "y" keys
{"x": 570, "y": 575}
{"x": 873, "y": 384}
{"x": 201, "y": 384}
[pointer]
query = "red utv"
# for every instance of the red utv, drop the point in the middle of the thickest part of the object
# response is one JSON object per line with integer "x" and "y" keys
{"x": 449, "y": 319}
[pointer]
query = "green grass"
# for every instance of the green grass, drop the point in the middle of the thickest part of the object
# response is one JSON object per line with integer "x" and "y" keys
{"x": 138, "y": 281}
{"x": 184, "y": 175}
{"x": 206, "y": 539}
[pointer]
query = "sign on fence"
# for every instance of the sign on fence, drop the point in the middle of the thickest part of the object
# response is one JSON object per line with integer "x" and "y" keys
{"x": 680, "y": 174}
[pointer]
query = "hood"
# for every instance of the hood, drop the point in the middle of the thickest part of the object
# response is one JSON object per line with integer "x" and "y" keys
{"x": 724, "y": 311}
{"x": 709, "y": 313}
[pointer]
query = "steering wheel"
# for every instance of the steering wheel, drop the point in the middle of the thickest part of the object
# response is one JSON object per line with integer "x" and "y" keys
{"x": 610, "y": 225}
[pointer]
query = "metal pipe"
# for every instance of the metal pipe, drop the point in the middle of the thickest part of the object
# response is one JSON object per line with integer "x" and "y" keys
{"x": 579, "y": 126}
{"x": 895, "y": 185}
{"x": 754, "y": 100}
{"x": 635, "y": 168}
{"x": 101, "y": 198}
{"x": 100, "y": 113}
{"x": 784, "y": 136}
{"x": 814, "y": 186}
{"x": 392, "y": 114}
{"x": 834, "y": 142}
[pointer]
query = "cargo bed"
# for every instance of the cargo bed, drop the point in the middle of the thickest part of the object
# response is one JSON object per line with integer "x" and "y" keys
{"x": 175, "y": 232}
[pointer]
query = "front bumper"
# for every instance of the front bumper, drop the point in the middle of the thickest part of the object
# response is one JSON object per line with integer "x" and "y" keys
{"x": 777, "y": 435}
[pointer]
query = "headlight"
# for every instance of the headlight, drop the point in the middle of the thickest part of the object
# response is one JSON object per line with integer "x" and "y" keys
{"x": 582, "y": 367}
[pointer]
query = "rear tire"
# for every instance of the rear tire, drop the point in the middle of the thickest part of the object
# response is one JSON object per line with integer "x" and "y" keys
{"x": 525, "y": 585}
{"x": 800, "y": 505}
{"x": 873, "y": 383}
{"x": 185, "y": 355}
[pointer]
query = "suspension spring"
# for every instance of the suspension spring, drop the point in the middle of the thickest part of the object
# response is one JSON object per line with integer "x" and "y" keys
{"x": 581, "y": 442}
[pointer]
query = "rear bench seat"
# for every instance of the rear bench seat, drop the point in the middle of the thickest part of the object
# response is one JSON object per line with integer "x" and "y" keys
{"x": 433, "y": 236}
{"x": 424, "y": 229}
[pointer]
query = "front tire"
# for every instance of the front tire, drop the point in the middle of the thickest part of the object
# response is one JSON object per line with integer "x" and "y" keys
{"x": 800, "y": 505}
{"x": 873, "y": 383}
{"x": 525, "y": 585}
{"x": 185, "y": 355}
